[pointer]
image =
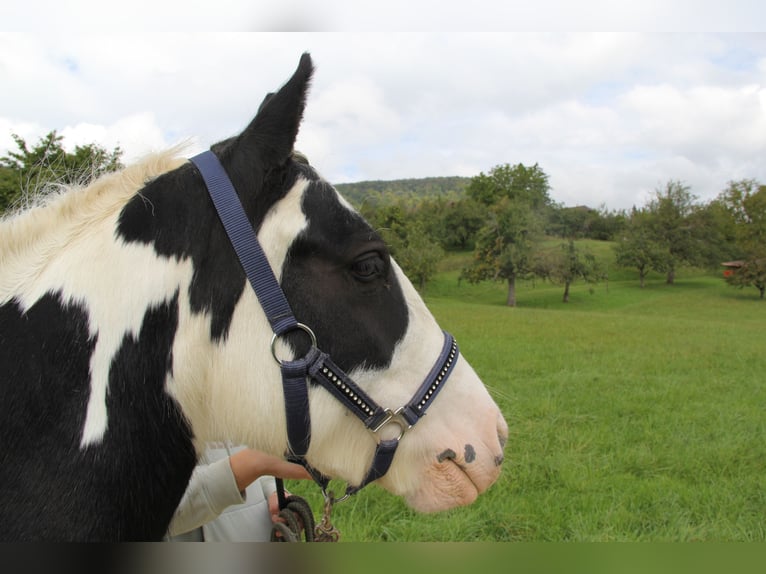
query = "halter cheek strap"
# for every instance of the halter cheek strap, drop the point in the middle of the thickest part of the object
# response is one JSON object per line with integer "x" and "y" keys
{"x": 315, "y": 365}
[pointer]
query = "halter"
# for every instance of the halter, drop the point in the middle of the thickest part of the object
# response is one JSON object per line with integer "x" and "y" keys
{"x": 315, "y": 365}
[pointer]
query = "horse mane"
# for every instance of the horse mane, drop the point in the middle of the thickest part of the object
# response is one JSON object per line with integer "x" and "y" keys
{"x": 30, "y": 236}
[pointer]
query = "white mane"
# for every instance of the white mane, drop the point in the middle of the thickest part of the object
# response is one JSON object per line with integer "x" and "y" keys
{"x": 28, "y": 238}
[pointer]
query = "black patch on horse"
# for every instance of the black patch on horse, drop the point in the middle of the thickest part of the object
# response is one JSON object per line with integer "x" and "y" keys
{"x": 339, "y": 280}
{"x": 48, "y": 482}
{"x": 175, "y": 214}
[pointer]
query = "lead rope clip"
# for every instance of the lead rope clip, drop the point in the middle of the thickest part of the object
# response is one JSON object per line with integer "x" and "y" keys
{"x": 324, "y": 530}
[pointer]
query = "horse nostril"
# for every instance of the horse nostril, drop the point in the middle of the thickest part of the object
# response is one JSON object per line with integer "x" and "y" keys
{"x": 447, "y": 454}
{"x": 499, "y": 460}
{"x": 502, "y": 439}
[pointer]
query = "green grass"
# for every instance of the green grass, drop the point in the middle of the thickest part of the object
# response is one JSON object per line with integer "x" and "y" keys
{"x": 635, "y": 414}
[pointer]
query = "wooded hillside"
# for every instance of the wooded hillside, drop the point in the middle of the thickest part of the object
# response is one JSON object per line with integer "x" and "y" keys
{"x": 374, "y": 193}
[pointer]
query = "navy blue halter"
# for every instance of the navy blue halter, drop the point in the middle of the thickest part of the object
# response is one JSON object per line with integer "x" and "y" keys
{"x": 315, "y": 365}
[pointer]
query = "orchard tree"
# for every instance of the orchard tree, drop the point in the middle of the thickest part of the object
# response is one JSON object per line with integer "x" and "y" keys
{"x": 566, "y": 265}
{"x": 752, "y": 272}
{"x": 462, "y": 222}
{"x": 504, "y": 246}
{"x": 418, "y": 255}
{"x": 405, "y": 231}
{"x": 638, "y": 248}
{"x": 671, "y": 228}
{"x": 717, "y": 233}
{"x": 745, "y": 202}
{"x": 517, "y": 200}
{"x": 517, "y": 183}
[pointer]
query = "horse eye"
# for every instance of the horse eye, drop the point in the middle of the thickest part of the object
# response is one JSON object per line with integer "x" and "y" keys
{"x": 368, "y": 267}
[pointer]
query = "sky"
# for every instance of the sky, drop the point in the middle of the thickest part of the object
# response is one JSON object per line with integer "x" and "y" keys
{"x": 611, "y": 106}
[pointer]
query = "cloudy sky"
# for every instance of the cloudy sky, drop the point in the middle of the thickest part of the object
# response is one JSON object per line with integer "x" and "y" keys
{"x": 609, "y": 115}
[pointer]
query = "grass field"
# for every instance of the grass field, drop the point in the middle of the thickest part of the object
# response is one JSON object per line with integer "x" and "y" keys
{"x": 635, "y": 414}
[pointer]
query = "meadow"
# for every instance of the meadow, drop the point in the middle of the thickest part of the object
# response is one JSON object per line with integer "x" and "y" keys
{"x": 634, "y": 414}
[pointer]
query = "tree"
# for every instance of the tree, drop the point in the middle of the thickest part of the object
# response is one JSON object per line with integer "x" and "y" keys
{"x": 517, "y": 200}
{"x": 517, "y": 183}
{"x": 638, "y": 247}
{"x": 505, "y": 244}
{"x": 10, "y": 188}
{"x": 406, "y": 234}
{"x": 418, "y": 255}
{"x": 669, "y": 223}
{"x": 566, "y": 265}
{"x": 28, "y": 171}
{"x": 462, "y": 221}
{"x": 568, "y": 222}
{"x": 745, "y": 202}
{"x": 751, "y": 273}
{"x": 716, "y": 232}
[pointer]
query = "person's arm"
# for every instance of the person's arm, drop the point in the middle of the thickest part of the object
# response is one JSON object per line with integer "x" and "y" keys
{"x": 216, "y": 486}
{"x": 212, "y": 488}
{"x": 249, "y": 465}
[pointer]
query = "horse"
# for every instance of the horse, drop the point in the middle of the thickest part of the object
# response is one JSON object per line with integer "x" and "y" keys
{"x": 129, "y": 338}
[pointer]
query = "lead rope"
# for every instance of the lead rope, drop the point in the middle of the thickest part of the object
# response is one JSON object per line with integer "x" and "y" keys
{"x": 299, "y": 521}
{"x": 297, "y": 516}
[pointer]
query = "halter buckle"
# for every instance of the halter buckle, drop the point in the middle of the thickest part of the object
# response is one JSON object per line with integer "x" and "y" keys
{"x": 394, "y": 417}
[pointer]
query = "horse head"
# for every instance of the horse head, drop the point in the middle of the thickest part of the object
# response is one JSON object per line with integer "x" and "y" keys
{"x": 340, "y": 280}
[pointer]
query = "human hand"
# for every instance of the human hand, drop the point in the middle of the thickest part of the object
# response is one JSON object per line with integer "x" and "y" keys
{"x": 248, "y": 465}
{"x": 273, "y": 501}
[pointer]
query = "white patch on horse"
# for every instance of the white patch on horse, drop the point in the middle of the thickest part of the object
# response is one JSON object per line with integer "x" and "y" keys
{"x": 91, "y": 274}
{"x": 245, "y": 368}
{"x": 279, "y": 229}
{"x": 125, "y": 319}
{"x": 282, "y": 225}
{"x": 79, "y": 258}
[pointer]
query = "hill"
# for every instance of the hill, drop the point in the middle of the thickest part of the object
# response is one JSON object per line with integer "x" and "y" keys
{"x": 373, "y": 193}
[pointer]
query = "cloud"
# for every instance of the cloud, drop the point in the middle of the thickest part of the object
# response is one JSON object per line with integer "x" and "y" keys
{"x": 136, "y": 135}
{"x": 608, "y": 116}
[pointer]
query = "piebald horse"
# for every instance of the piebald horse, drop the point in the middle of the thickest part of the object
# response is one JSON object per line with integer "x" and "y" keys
{"x": 129, "y": 337}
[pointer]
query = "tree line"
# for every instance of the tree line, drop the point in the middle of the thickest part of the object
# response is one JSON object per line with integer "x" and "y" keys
{"x": 506, "y": 217}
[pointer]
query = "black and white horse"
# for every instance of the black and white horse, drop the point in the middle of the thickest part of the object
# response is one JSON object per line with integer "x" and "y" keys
{"x": 129, "y": 337}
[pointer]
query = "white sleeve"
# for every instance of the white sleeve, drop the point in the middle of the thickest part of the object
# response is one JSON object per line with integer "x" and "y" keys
{"x": 268, "y": 485}
{"x": 212, "y": 488}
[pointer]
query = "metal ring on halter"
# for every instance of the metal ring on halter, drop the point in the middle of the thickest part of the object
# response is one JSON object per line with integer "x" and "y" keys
{"x": 298, "y": 326}
{"x": 329, "y": 497}
{"x": 396, "y": 418}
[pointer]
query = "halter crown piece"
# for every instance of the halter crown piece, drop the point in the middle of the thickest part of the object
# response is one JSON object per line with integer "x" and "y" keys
{"x": 316, "y": 365}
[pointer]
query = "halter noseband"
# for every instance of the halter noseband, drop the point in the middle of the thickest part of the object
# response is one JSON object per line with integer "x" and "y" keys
{"x": 315, "y": 365}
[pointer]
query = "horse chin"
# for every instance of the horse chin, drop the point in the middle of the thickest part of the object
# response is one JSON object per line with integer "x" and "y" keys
{"x": 445, "y": 485}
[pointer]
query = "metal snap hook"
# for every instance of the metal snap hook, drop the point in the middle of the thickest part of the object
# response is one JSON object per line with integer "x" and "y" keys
{"x": 298, "y": 326}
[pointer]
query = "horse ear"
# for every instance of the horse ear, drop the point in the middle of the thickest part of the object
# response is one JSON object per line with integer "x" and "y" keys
{"x": 275, "y": 126}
